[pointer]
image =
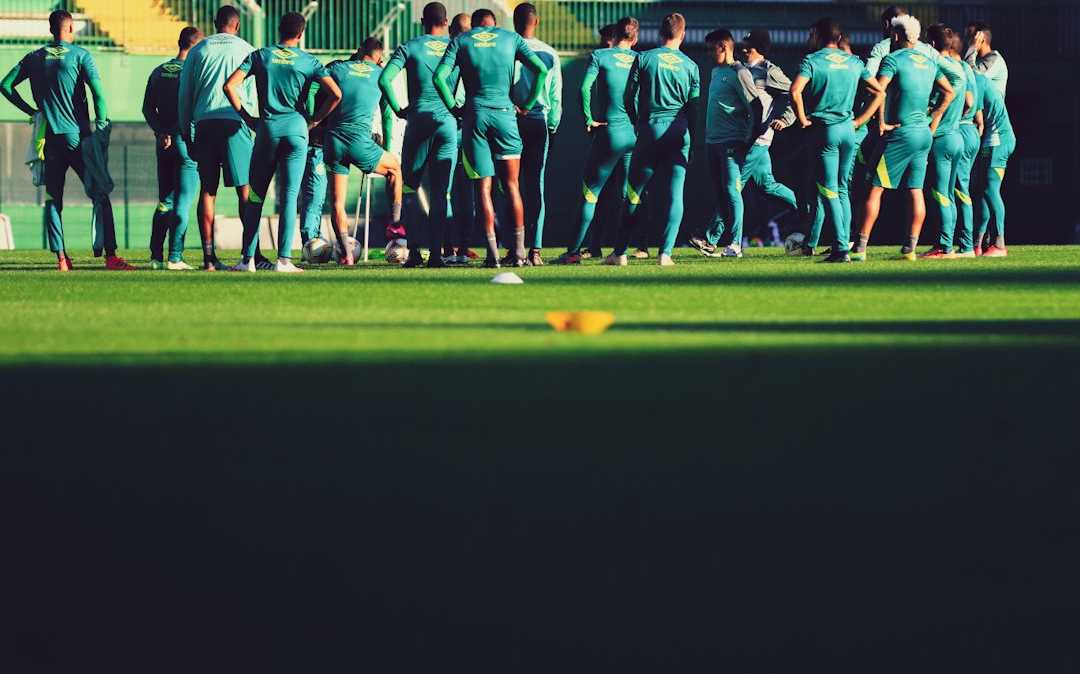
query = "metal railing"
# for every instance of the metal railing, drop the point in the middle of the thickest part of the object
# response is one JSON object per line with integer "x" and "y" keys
{"x": 25, "y": 22}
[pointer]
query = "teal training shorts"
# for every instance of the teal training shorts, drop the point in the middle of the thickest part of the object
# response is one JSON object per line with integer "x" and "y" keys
{"x": 999, "y": 154}
{"x": 904, "y": 153}
{"x": 341, "y": 152}
{"x": 223, "y": 149}
{"x": 427, "y": 138}
{"x": 488, "y": 135}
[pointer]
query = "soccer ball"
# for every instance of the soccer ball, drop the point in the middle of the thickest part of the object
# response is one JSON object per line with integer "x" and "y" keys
{"x": 356, "y": 246}
{"x": 318, "y": 251}
{"x": 794, "y": 242}
{"x": 397, "y": 251}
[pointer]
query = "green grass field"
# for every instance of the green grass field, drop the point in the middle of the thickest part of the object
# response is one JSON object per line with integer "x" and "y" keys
{"x": 756, "y": 458}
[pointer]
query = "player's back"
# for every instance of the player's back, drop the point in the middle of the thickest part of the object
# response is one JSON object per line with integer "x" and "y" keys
{"x": 282, "y": 74}
{"x": 486, "y": 58}
{"x": 58, "y": 74}
{"x": 833, "y": 76}
{"x": 211, "y": 62}
{"x": 996, "y": 70}
{"x": 360, "y": 96}
{"x": 908, "y": 97}
{"x": 164, "y": 90}
{"x": 667, "y": 80}
{"x": 995, "y": 114}
{"x": 612, "y": 72}
{"x": 418, "y": 58}
{"x": 971, "y": 85}
{"x": 953, "y": 70}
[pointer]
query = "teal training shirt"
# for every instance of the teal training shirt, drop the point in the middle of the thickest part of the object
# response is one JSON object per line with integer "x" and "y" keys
{"x": 953, "y": 70}
{"x": 995, "y": 114}
{"x": 486, "y": 57}
{"x": 833, "y": 77}
{"x": 907, "y": 99}
{"x": 666, "y": 79}
{"x": 162, "y": 88}
{"x": 609, "y": 69}
{"x": 282, "y": 75}
{"x": 418, "y": 58}
{"x": 728, "y": 116}
{"x": 360, "y": 97}
{"x": 883, "y": 48}
{"x": 208, "y": 65}
{"x": 971, "y": 85}
{"x": 993, "y": 66}
{"x": 58, "y": 74}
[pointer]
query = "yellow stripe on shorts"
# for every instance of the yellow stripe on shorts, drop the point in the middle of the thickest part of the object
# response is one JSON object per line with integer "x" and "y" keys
{"x": 883, "y": 174}
{"x": 469, "y": 170}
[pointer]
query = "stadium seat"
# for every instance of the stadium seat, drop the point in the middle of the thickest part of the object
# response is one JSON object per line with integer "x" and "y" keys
{"x": 139, "y": 26}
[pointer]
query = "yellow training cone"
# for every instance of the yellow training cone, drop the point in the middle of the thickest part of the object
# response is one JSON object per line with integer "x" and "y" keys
{"x": 585, "y": 322}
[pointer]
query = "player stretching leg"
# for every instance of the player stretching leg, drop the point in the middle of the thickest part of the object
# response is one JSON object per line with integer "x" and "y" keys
{"x": 998, "y": 144}
{"x": 732, "y": 107}
{"x": 537, "y": 125}
{"x": 908, "y": 78}
{"x": 313, "y": 184}
{"x": 57, "y": 73}
{"x": 282, "y": 72}
{"x": 431, "y": 140}
{"x": 612, "y": 135}
{"x": 348, "y": 140}
{"x": 947, "y": 150}
{"x": 662, "y": 93}
{"x": 222, "y": 143}
{"x": 486, "y": 56}
{"x": 177, "y": 172}
{"x": 823, "y": 94}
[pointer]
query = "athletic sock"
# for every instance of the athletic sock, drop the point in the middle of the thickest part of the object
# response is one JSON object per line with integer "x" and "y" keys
{"x": 395, "y": 212}
{"x": 862, "y": 243}
{"x": 519, "y": 243}
{"x": 999, "y": 241}
{"x": 208, "y": 251}
{"x": 912, "y": 244}
{"x": 493, "y": 246}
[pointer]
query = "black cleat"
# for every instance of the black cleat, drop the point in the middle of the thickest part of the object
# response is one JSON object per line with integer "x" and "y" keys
{"x": 701, "y": 245}
{"x": 435, "y": 262}
{"x": 415, "y": 259}
{"x": 491, "y": 262}
{"x": 806, "y": 251}
{"x": 837, "y": 258}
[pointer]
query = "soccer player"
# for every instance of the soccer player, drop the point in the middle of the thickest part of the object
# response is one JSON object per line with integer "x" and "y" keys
{"x": 348, "y": 140}
{"x": 984, "y": 59}
{"x": 971, "y": 131}
{"x": 908, "y": 77}
{"x": 731, "y": 111}
{"x": 998, "y": 144}
{"x": 611, "y": 132}
{"x": 177, "y": 172}
{"x": 947, "y": 148}
{"x": 222, "y": 143}
{"x": 537, "y": 125}
{"x": 463, "y": 206}
{"x": 59, "y": 73}
{"x": 431, "y": 136}
{"x": 823, "y": 95}
{"x": 883, "y": 48}
{"x": 486, "y": 56}
{"x": 662, "y": 94}
{"x": 773, "y": 88}
{"x": 313, "y": 184}
{"x": 282, "y": 72}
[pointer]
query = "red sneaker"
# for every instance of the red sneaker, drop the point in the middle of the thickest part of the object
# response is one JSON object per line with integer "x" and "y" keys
{"x": 994, "y": 251}
{"x": 978, "y": 251}
{"x": 63, "y": 264}
{"x": 117, "y": 263}
{"x": 937, "y": 253}
{"x": 347, "y": 261}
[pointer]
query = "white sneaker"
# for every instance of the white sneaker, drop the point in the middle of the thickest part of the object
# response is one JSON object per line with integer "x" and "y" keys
{"x": 666, "y": 261}
{"x": 242, "y": 266}
{"x": 614, "y": 260}
{"x": 286, "y": 266}
{"x": 732, "y": 251}
{"x": 179, "y": 265}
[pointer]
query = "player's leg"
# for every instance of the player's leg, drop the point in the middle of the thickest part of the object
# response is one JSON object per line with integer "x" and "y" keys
{"x": 167, "y": 169}
{"x": 674, "y": 180}
{"x": 847, "y": 146}
{"x": 709, "y": 237}
{"x": 942, "y": 157}
{"x": 504, "y": 139}
{"x": 312, "y": 194}
{"x": 415, "y": 149}
{"x": 56, "y": 165}
{"x": 442, "y": 159}
{"x": 642, "y": 168}
{"x": 185, "y": 188}
{"x": 758, "y": 168}
{"x": 919, "y": 144}
{"x": 104, "y": 223}
{"x": 339, "y": 187}
{"x": 264, "y": 162}
{"x": 731, "y": 165}
{"x": 600, "y": 162}
{"x": 965, "y": 214}
{"x": 999, "y": 159}
{"x": 292, "y": 155}
{"x": 827, "y": 183}
{"x": 535, "y": 142}
{"x": 209, "y": 155}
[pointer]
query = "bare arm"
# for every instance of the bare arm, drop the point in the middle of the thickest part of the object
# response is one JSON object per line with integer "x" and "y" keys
{"x": 333, "y": 98}
{"x": 877, "y": 100}
{"x": 232, "y": 92}
{"x": 948, "y": 95}
{"x": 797, "y": 88}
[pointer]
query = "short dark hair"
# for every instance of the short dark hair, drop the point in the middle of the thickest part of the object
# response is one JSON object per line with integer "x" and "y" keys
{"x": 939, "y": 36}
{"x": 759, "y": 40}
{"x": 826, "y": 30}
{"x": 225, "y": 16}
{"x": 672, "y": 25}
{"x": 56, "y": 21}
{"x": 189, "y": 37}
{"x": 627, "y": 28}
{"x": 607, "y": 33}
{"x": 457, "y": 26}
{"x": 434, "y": 14}
{"x": 987, "y": 33}
{"x": 523, "y": 15}
{"x": 291, "y": 25}
{"x": 370, "y": 46}
{"x": 956, "y": 43}
{"x": 479, "y": 15}
{"x": 719, "y": 36}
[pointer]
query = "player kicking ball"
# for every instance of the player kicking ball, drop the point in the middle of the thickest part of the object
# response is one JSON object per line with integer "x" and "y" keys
{"x": 662, "y": 93}
{"x": 282, "y": 72}
{"x": 491, "y": 142}
{"x": 908, "y": 77}
{"x": 58, "y": 73}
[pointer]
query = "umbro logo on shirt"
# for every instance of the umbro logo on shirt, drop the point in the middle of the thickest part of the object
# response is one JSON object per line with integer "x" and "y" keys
{"x": 670, "y": 61}
{"x": 485, "y": 39}
{"x": 435, "y": 48}
{"x": 283, "y": 57}
{"x": 55, "y": 52}
{"x": 171, "y": 70}
{"x": 359, "y": 70}
{"x": 837, "y": 61}
{"x": 624, "y": 60}
{"x": 921, "y": 62}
